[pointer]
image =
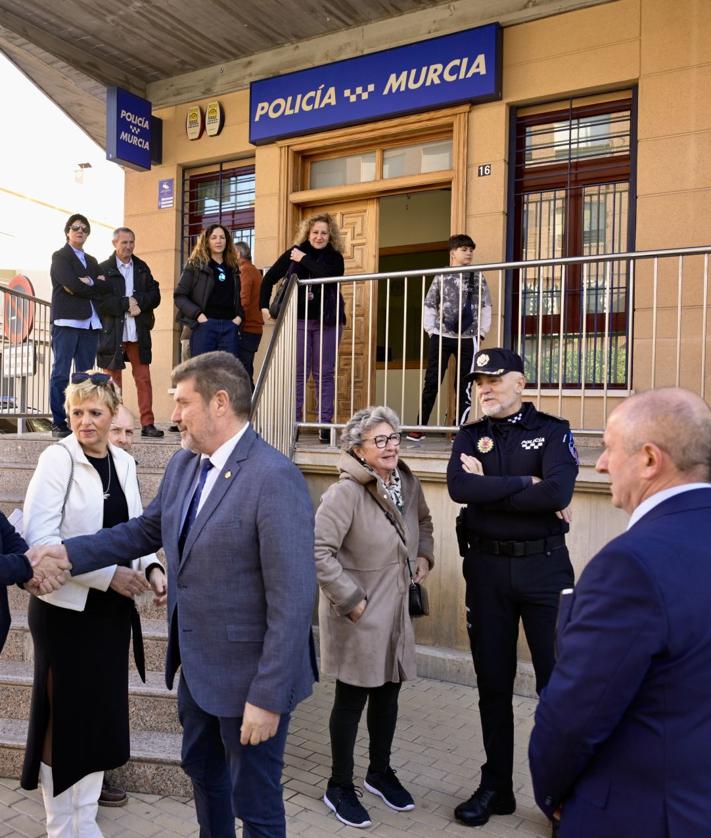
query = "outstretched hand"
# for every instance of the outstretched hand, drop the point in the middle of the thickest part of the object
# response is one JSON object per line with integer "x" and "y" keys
{"x": 50, "y": 566}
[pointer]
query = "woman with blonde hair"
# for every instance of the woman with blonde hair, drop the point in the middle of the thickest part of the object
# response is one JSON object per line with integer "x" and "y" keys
{"x": 373, "y": 532}
{"x": 321, "y": 312}
{"x": 79, "y": 713}
{"x": 208, "y": 293}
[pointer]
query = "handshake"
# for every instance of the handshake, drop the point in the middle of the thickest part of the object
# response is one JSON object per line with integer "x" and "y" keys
{"x": 51, "y": 568}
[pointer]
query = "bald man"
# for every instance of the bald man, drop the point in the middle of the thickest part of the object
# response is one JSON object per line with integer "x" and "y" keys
{"x": 122, "y": 427}
{"x": 622, "y": 740}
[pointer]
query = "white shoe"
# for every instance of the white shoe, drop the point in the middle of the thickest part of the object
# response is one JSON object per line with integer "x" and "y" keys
{"x": 59, "y": 809}
{"x": 86, "y": 805}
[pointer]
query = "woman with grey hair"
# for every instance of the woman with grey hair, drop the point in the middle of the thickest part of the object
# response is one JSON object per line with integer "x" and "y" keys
{"x": 372, "y": 526}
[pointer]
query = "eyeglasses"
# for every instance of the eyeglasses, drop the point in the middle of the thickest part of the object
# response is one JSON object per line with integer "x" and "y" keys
{"x": 382, "y": 440}
{"x": 79, "y": 228}
{"x": 94, "y": 377}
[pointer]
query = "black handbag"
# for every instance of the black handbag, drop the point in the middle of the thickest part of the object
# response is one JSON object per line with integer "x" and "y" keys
{"x": 277, "y": 302}
{"x": 418, "y": 601}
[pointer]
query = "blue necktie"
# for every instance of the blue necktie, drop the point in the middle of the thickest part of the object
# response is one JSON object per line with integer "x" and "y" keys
{"x": 194, "y": 503}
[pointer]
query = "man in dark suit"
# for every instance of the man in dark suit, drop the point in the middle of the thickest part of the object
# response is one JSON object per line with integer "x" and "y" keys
{"x": 126, "y": 311}
{"x": 75, "y": 321}
{"x": 236, "y": 522}
{"x": 622, "y": 741}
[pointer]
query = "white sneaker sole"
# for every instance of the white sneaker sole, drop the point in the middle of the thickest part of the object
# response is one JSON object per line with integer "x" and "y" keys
{"x": 330, "y": 805}
{"x": 373, "y": 790}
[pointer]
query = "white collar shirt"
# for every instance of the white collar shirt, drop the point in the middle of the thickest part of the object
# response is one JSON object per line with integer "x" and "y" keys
{"x": 129, "y": 323}
{"x": 649, "y": 503}
{"x": 218, "y": 459}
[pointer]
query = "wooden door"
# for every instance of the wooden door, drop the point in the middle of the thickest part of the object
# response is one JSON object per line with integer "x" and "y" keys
{"x": 355, "y": 373}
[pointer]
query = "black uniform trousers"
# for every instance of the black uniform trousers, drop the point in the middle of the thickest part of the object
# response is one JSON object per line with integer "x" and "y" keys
{"x": 500, "y": 591}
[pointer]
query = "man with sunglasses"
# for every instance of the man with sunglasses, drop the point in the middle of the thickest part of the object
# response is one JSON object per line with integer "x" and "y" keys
{"x": 127, "y": 316}
{"x": 76, "y": 282}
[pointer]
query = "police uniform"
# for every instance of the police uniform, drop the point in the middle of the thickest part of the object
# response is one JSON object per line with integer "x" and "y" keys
{"x": 516, "y": 562}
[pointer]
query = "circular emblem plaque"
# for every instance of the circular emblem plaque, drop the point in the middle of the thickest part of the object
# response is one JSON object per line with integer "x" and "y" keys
{"x": 485, "y": 444}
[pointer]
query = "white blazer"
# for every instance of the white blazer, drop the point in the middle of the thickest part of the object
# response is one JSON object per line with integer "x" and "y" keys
{"x": 83, "y": 513}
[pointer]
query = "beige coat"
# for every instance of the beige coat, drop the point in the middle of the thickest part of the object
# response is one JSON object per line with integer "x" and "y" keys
{"x": 361, "y": 544}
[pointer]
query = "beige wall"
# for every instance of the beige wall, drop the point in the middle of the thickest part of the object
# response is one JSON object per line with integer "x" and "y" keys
{"x": 661, "y": 46}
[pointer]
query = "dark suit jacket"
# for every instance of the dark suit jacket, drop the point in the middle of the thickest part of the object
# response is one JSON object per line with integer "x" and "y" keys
{"x": 623, "y": 730}
{"x": 241, "y": 596}
{"x": 113, "y": 306}
{"x": 71, "y": 298}
{"x": 14, "y": 569}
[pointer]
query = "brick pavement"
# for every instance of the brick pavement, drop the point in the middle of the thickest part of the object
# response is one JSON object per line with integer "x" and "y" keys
{"x": 436, "y": 753}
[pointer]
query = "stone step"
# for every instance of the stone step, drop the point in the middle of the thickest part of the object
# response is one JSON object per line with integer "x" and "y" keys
{"x": 18, "y": 646}
{"x": 18, "y": 600}
{"x": 152, "y": 706}
{"x": 26, "y": 448}
{"x": 154, "y": 767}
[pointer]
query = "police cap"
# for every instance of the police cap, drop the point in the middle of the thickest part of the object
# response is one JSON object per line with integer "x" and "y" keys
{"x": 495, "y": 361}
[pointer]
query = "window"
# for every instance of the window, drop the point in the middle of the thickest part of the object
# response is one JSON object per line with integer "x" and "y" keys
{"x": 571, "y": 193}
{"x": 417, "y": 159}
{"x": 339, "y": 171}
{"x": 221, "y": 196}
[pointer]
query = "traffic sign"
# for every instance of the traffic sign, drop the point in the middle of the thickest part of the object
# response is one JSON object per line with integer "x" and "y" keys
{"x": 18, "y": 312}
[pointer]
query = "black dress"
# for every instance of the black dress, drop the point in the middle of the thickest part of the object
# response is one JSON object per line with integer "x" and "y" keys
{"x": 87, "y": 654}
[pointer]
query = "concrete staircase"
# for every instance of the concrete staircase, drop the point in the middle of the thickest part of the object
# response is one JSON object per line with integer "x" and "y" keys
{"x": 154, "y": 767}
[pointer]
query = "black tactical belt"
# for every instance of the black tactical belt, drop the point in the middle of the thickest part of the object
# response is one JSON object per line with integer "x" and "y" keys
{"x": 518, "y": 548}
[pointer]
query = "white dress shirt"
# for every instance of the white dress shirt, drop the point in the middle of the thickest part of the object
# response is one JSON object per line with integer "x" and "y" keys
{"x": 129, "y": 324}
{"x": 659, "y": 497}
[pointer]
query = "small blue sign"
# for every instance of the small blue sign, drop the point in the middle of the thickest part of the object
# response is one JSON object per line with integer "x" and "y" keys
{"x": 166, "y": 193}
{"x": 463, "y": 67}
{"x": 128, "y": 129}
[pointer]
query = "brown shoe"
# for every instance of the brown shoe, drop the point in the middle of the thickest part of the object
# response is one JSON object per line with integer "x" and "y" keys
{"x": 112, "y": 795}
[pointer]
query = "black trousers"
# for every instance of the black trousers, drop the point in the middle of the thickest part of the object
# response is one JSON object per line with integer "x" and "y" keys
{"x": 436, "y": 370}
{"x": 500, "y": 591}
{"x": 343, "y": 726}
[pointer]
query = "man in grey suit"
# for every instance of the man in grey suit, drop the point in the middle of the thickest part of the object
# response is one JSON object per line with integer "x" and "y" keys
{"x": 236, "y": 522}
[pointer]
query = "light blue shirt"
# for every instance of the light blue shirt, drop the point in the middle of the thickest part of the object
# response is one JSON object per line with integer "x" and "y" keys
{"x": 649, "y": 503}
{"x": 93, "y": 322}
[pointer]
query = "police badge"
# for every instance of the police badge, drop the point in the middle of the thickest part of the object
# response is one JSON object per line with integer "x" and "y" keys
{"x": 485, "y": 444}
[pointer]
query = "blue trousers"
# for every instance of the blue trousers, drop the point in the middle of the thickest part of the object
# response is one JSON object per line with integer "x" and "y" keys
{"x": 69, "y": 344}
{"x": 214, "y": 335}
{"x": 229, "y": 779}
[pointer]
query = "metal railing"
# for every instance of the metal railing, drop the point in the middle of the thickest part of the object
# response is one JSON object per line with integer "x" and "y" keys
{"x": 590, "y": 329}
{"x": 25, "y": 359}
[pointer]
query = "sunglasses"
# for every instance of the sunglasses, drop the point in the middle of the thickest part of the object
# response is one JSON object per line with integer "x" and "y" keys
{"x": 79, "y": 228}
{"x": 95, "y": 377}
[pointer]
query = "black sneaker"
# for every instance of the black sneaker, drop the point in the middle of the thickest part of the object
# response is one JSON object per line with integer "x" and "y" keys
{"x": 387, "y": 786}
{"x": 324, "y": 437}
{"x": 343, "y": 802}
{"x": 60, "y": 431}
{"x": 482, "y": 804}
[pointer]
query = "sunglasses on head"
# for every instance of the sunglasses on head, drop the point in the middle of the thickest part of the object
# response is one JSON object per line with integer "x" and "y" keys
{"x": 94, "y": 377}
{"x": 79, "y": 228}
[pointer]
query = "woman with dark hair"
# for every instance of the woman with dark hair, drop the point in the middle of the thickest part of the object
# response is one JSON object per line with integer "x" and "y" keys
{"x": 208, "y": 293}
{"x": 317, "y": 253}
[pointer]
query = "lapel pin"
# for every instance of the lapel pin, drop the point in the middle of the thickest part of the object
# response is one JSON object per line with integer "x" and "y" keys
{"x": 228, "y": 474}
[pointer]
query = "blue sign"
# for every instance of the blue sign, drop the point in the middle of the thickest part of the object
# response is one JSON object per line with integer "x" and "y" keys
{"x": 128, "y": 129}
{"x": 166, "y": 192}
{"x": 463, "y": 67}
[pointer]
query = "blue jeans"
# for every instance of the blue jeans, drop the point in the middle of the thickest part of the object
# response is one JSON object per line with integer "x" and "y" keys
{"x": 230, "y": 779}
{"x": 69, "y": 345}
{"x": 248, "y": 346}
{"x": 214, "y": 335}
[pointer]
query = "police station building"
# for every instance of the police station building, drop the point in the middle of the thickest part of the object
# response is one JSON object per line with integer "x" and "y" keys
{"x": 549, "y": 131}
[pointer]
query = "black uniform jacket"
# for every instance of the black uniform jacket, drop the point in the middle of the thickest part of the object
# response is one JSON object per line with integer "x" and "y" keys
{"x": 71, "y": 298}
{"x": 113, "y": 305}
{"x": 504, "y": 504}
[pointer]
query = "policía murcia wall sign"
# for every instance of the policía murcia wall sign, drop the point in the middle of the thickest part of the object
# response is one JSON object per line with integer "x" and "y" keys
{"x": 463, "y": 67}
{"x": 128, "y": 129}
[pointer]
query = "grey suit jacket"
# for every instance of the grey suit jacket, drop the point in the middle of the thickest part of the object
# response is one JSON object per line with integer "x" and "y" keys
{"x": 241, "y": 596}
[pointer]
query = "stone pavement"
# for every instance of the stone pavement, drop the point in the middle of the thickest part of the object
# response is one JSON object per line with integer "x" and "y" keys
{"x": 437, "y": 752}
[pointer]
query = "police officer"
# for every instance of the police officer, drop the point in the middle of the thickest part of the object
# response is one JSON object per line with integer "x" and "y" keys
{"x": 515, "y": 470}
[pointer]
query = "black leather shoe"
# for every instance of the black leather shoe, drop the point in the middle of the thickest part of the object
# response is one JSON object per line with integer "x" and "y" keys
{"x": 112, "y": 795}
{"x": 151, "y": 430}
{"x": 60, "y": 431}
{"x": 484, "y": 803}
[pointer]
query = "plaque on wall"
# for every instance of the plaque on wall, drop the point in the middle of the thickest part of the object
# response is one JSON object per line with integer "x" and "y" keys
{"x": 214, "y": 118}
{"x": 194, "y": 122}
